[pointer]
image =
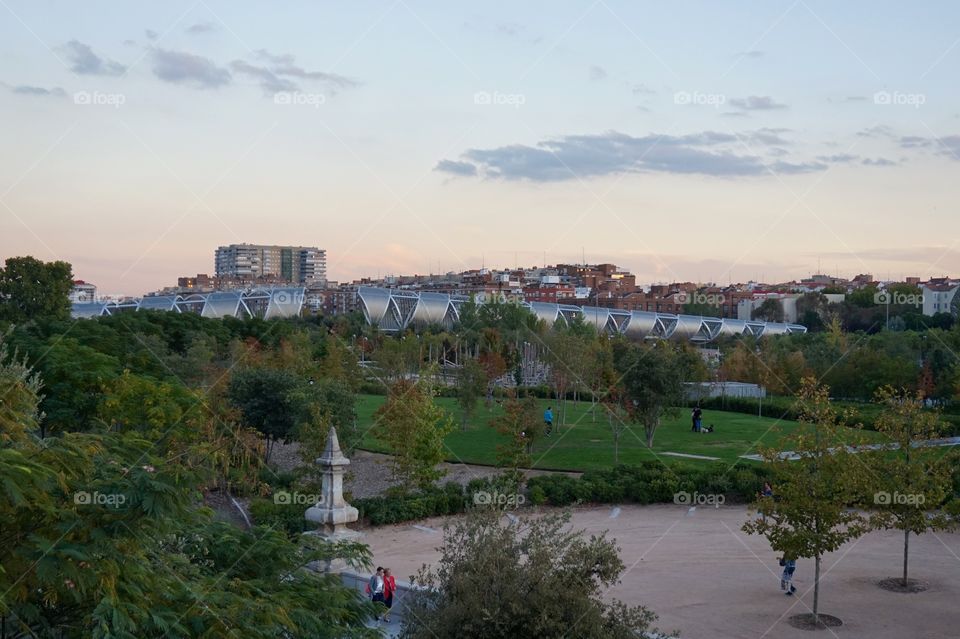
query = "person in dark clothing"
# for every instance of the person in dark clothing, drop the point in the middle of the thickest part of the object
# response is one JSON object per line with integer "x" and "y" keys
{"x": 697, "y": 416}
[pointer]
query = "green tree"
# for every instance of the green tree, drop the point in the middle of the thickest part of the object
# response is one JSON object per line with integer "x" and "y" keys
{"x": 272, "y": 401}
{"x": 33, "y": 289}
{"x": 102, "y": 538}
{"x": 813, "y": 310}
{"x": 414, "y": 427}
{"x": 651, "y": 383}
{"x": 770, "y": 310}
{"x": 74, "y": 378}
{"x": 811, "y": 515}
{"x": 333, "y": 403}
{"x": 910, "y": 483}
{"x": 518, "y": 424}
{"x": 471, "y": 384}
{"x": 535, "y": 578}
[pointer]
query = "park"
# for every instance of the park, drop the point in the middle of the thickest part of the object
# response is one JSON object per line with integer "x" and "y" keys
{"x": 168, "y": 474}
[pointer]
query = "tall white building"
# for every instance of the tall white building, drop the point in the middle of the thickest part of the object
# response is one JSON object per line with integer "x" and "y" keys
{"x": 305, "y": 265}
{"x": 940, "y": 296}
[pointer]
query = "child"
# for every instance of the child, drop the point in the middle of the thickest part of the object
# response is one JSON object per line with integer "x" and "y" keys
{"x": 786, "y": 579}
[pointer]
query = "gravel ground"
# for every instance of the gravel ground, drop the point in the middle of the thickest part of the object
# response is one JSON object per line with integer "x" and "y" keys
{"x": 368, "y": 474}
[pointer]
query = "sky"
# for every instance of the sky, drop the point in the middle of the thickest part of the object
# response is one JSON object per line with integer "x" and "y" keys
{"x": 703, "y": 141}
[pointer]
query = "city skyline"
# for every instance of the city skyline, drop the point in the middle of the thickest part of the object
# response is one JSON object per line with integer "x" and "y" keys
{"x": 756, "y": 142}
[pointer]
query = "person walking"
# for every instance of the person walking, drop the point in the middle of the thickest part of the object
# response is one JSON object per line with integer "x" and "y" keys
{"x": 375, "y": 587}
{"x": 786, "y": 579}
{"x": 548, "y": 420}
{"x": 389, "y": 588}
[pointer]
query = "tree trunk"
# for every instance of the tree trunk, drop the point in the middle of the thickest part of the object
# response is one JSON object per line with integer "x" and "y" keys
{"x": 906, "y": 551}
{"x": 816, "y": 592}
{"x": 648, "y": 431}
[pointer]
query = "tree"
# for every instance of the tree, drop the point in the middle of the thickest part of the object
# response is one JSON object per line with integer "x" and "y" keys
{"x": 414, "y": 427}
{"x": 102, "y": 538}
{"x": 651, "y": 383}
{"x": 74, "y": 378}
{"x": 272, "y": 401}
{"x": 32, "y": 289}
{"x": 535, "y": 578}
{"x": 770, "y": 310}
{"x": 518, "y": 424}
{"x": 471, "y": 383}
{"x": 812, "y": 310}
{"x": 336, "y": 401}
{"x": 811, "y": 515}
{"x": 911, "y": 482}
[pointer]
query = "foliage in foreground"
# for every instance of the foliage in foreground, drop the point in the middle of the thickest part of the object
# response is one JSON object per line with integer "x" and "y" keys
{"x": 102, "y": 537}
{"x": 533, "y": 578}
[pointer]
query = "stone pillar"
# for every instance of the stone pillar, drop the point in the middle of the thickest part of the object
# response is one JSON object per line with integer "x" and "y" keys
{"x": 332, "y": 512}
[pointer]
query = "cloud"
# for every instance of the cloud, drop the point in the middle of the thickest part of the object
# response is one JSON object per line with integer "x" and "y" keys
{"x": 269, "y": 81}
{"x": 642, "y": 89}
{"x": 26, "y": 89}
{"x": 201, "y": 27}
{"x": 179, "y": 67}
{"x": 947, "y": 145}
{"x": 151, "y": 34}
{"x": 333, "y": 80}
{"x": 86, "y": 62}
{"x": 456, "y": 168}
{"x": 757, "y": 103}
{"x": 753, "y": 53}
{"x": 584, "y": 156}
{"x": 840, "y": 158}
{"x": 281, "y": 72}
{"x": 509, "y": 28}
{"x": 769, "y": 135}
{"x": 597, "y": 73}
{"x": 881, "y": 130}
{"x": 878, "y": 162}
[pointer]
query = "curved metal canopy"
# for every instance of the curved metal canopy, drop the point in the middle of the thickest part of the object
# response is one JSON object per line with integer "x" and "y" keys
{"x": 392, "y": 310}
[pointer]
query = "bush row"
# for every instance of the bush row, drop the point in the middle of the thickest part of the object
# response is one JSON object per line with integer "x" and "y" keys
{"x": 379, "y": 511}
{"x": 786, "y": 408}
{"x": 648, "y": 483}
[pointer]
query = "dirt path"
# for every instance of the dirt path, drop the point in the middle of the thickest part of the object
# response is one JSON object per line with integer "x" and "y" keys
{"x": 708, "y": 580}
{"x": 368, "y": 474}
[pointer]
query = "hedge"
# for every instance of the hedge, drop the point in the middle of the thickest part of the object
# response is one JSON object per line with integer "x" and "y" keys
{"x": 379, "y": 511}
{"x": 648, "y": 483}
{"x": 786, "y": 408}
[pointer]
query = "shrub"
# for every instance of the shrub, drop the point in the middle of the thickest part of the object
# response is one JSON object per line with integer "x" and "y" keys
{"x": 283, "y": 517}
{"x": 379, "y": 511}
{"x": 647, "y": 483}
{"x": 560, "y": 490}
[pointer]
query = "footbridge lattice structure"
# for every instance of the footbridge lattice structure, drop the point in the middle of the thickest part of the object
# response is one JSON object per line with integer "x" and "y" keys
{"x": 393, "y": 310}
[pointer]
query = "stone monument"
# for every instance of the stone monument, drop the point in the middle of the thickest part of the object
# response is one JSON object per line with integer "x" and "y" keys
{"x": 332, "y": 512}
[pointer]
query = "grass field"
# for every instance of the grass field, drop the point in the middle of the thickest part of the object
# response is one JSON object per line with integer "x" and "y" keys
{"x": 584, "y": 443}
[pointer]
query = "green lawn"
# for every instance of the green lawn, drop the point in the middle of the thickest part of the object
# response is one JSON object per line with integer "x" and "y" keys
{"x": 585, "y": 443}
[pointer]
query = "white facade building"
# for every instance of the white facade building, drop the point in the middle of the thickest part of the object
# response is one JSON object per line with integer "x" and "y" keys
{"x": 940, "y": 297}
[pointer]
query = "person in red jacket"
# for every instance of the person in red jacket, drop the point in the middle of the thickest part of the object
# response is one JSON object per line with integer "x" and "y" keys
{"x": 389, "y": 587}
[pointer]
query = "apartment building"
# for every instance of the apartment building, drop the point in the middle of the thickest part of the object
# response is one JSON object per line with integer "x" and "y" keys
{"x": 254, "y": 262}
